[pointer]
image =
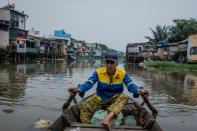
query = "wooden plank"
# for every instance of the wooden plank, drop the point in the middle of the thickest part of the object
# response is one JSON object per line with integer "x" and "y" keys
{"x": 89, "y": 127}
{"x": 100, "y": 129}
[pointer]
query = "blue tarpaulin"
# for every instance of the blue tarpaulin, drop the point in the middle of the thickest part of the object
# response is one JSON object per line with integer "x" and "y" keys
{"x": 61, "y": 33}
{"x": 162, "y": 42}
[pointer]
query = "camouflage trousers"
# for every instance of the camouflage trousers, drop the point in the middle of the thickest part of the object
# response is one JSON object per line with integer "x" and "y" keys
{"x": 89, "y": 106}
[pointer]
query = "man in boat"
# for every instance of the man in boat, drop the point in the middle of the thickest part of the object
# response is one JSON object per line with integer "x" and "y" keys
{"x": 109, "y": 94}
{"x": 109, "y": 91}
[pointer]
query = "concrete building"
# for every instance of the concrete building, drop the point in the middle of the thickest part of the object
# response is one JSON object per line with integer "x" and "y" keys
{"x": 64, "y": 40}
{"x": 12, "y": 25}
{"x": 34, "y": 32}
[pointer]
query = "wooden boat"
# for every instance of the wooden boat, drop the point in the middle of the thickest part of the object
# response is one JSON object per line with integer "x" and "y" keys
{"x": 145, "y": 121}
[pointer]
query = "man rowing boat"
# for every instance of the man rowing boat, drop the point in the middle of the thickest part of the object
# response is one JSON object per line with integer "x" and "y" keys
{"x": 109, "y": 91}
{"x": 109, "y": 94}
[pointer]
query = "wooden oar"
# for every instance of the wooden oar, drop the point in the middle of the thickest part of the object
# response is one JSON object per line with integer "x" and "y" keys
{"x": 67, "y": 103}
{"x": 151, "y": 107}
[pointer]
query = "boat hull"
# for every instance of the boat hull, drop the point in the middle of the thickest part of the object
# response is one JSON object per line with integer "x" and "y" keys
{"x": 131, "y": 108}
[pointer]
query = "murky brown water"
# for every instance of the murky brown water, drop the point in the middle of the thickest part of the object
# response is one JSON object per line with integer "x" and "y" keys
{"x": 32, "y": 91}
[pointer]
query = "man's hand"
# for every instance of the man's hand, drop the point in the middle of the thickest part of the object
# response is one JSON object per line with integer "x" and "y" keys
{"x": 72, "y": 91}
{"x": 143, "y": 92}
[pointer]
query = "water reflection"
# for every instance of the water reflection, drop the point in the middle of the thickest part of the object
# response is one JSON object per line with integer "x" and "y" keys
{"x": 40, "y": 88}
{"x": 190, "y": 86}
{"x": 172, "y": 93}
{"x": 14, "y": 77}
{"x": 176, "y": 85}
{"x": 8, "y": 110}
{"x": 12, "y": 84}
{"x": 175, "y": 88}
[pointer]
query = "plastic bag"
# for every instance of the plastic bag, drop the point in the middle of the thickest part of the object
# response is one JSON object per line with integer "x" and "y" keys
{"x": 100, "y": 115}
{"x": 129, "y": 120}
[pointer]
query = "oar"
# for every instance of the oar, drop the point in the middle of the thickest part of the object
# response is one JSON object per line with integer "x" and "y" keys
{"x": 67, "y": 103}
{"x": 151, "y": 107}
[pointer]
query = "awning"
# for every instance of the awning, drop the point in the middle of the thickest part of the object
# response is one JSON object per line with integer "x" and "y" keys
{"x": 20, "y": 39}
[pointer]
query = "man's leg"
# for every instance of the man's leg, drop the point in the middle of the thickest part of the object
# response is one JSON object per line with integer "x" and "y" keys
{"x": 88, "y": 107}
{"x": 115, "y": 108}
{"x": 117, "y": 103}
{"x": 106, "y": 121}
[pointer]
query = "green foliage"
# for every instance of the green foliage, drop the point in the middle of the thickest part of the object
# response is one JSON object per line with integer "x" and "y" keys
{"x": 53, "y": 50}
{"x": 160, "y": 33}
{"x": 3, "y": 51}
{"x": 182, "y": 29}
{"x": 11, "y": 48}
{"x": 103, "y": 47}
{"x": 166, "y": 65}
{"x": 160, "y": 64}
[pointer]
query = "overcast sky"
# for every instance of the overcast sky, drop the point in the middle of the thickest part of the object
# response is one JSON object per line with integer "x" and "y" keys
{"x": 111, "y": 22}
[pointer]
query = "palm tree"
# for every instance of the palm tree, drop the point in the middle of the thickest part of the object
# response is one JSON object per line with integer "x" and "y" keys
{"x": 182, "y": 29}
{"x": 159, "y": 34}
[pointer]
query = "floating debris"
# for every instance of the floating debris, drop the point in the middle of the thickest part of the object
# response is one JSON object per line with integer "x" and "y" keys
{"x": 42, "y": 123}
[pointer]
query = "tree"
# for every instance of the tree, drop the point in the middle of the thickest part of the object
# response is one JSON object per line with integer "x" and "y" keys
{"x": 159, "y": 34}
{"x": 182, "y": 29}
{"x": 103, "y": 47}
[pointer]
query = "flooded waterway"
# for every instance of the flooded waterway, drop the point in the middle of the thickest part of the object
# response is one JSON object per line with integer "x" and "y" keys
{"x": 37, "y": 90}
